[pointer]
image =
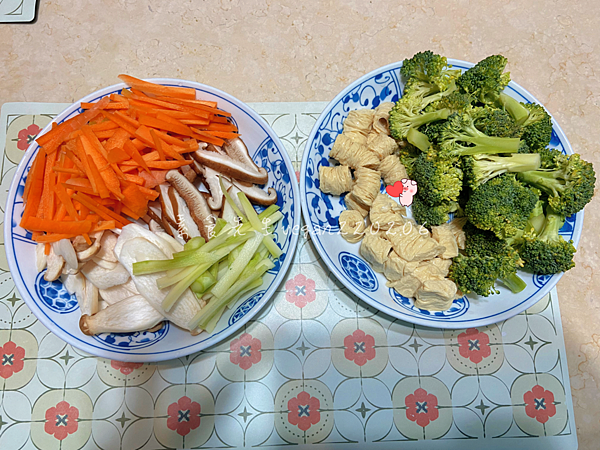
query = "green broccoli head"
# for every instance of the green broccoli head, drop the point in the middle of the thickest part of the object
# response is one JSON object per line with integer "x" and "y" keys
{"x": 430, "y": 68}
{"x": 496, "y": 122}
{"x": 406, "y": 114}
{"x": 439, "y": 180}
{"x": 486, "y": 79}
{"x": 455, "y": 101}
{"x": 548, "y": 253}
{"x": 501, "y": 205}
{"x": 537, "y": 128}
{"x": 477, "y": 274}
{"x": 408, "y": 154}
{"x": 552, "y": 158}
{"x": 479, "y": 169}
{"x": 460, "y": 137}
{"x": 569, "y": 185}
{"x": 430, "y": 216}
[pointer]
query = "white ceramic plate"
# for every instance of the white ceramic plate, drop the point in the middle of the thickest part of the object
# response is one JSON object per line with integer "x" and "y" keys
{"x": 59, "y": 311}
{"x": 321, "y": 212}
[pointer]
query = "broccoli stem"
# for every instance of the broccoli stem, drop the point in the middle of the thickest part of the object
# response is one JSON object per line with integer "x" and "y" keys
{"x": 553, "y": 223}
{"x": 489, "y": 144}
{"x": 422, "y": 119}
{"x": 514, "y": 108}
{"x": 514, "y": 283}
{"x": 547, "y": 181}
{"x": 418, "y": 139}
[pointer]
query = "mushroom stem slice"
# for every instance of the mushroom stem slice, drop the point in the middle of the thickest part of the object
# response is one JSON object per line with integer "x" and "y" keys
{"x": 196, "y": 203}
{"x": 55, "y": 266}
{"x": 256, "y": 194}
{"x": 103, "y": 278}
{"x": 40, "y": 257}
{"x": 127, "y": 316}
{"x": 88, "y": 253}
{"x": 65, "y": 249}
{"x": 89, "y": 303}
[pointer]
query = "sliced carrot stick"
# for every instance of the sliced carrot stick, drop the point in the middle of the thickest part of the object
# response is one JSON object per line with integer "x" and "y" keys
{"x": 179, "y": 114}
{"x": 104, "y": 126}
{"x": 205, "y": 137}
{"x": 135, "y": 200}
{"x": 197, "y": 106}
{"x": 125, "y": 210}
{"x": 135, "y": 155}
{"x": 167, "y": 126}
{"x": 49, "y": 226}
{"x": 170, "y": 152}
{"x": 157, "y": 144}
{"x": 35, "y": 173}
{"x": 135, "y": 179}
{"x": 223, "y": 134}
{"x": 96, "y": 151}
{"x": 117, "y": 155}
{"x": 150, "y": 194}
{"x": 47, "y": 203}
{"x": 100, "y": 185}
{"x": 166, "y": 165}
{"x": 196, "y": 122}
{"x": 102, "y": 211}
{"x": 218, "y": 127}
{"x": 114, "y": 105}
{"x": 169, "y": 105}
{"x": 105, "y": 134}
{"x": 219, "y": 119}
{"x": 60, "y": 214}
{"x": 118, "y": 139}
{"x": 119, "y": 121}
{"x": 104, "y": 225}
{"x": 69, "y": 171}
{"x": 157, "y": 89}
{"x": 127, "y": 169}
{"x": 126, "y": 118}
{"x": 62, "y": 195}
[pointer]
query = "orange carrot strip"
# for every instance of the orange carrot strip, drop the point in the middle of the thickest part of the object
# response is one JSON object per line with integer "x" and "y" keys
{"x": 143, "y": 133}
{"x": 179, "y": 114}
{"x": 102, "y": 189}
{"x": 118, "y": 139}
{"x": 125, "y": 210}
{"x": 71, "y": 148}
{"x": 157, "y": 89}
{"x": 83, "y": 158}
{"x": 194, "y": 104}
{"x": 115, "y": 105}
{"x": 49, "y": 226}
{"x": 117, "y": 155}
{"x": 97, "y": 152}
{"x": 127, "y": 169}
{"x": 62, "y": 195}
{"x": 157, "y": 144}
{"x": 219, "y": 119}
{"x": 145, "y": 101}
{"x": 102, "y": 211}
{"x": 69, "y": 171}
{"x": 135, "y": 200}
{"x": 219, "y": 127}
{"x": 92, "y": 139}
{"x": 104, "y": 134}
{"x": 119, "y": 121}
{"x": 36, "y": 172}
{"x": 126, "y": 118}
{"x": 79, "y": 184}
{"x": 223, "y": 134}
{"x": 104, "y": 225}
{"x": 169, "y": 151}
{"x": 168, "y": 164}
{"x": 205, "y": 137}
{"x": 150, "y": 194}
{"x": 47, "y": 201}
{"x": 197, "y": 122}
{"x": 167, "y": 126}
{"x": 135, "y": 155}
{"x": 135, "y": 179}
{"x": 104, "y": 126}
{"x": 60, "y": 214}
{"x": 52, "y": 139}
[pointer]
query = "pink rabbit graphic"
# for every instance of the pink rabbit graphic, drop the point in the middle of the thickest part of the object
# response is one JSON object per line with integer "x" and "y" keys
{"x": 404, "y": 190}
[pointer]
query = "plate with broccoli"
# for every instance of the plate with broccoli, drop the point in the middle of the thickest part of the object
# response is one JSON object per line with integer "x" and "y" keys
{"x": 500, "y": 199}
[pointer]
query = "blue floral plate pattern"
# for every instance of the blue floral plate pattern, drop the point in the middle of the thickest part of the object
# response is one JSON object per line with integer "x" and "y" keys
{"x": 321, "y": 212}
{"x": 59, "y": 311}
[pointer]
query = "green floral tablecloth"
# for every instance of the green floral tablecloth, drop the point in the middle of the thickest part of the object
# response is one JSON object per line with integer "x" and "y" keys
{"x": 316, "y": 365}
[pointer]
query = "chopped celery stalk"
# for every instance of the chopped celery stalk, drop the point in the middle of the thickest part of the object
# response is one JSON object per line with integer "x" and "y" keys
{"x": 272, "y": 219}
{"x": 203, "y": 283}
{"x": 225, "y": 234}
{"x": 255, "y": 284}
{"x": 214, "y": 270}
{"x": 271, "y": 209}
{"x": 238, "y": 265}
{"x": 275, "y": 217}
{"x": 161, "y": 265}
{"x": 223, "y": 268}
{"x": 234, "y": 254}
{"x": 173, "y": 272}
{"x": 263, "y": 251}
{"x": 205, "y": 314}
{"x": 179, "y": 288}
{"x": 250, "y": 213}
{"x": 229, "y": 200}
{"x": 194, "y": 243}
{"x": 272, "y": 246}
{"x": 210, "y": 326}
{"x": 219, "y": 226}
{"x": 170, "y": 280}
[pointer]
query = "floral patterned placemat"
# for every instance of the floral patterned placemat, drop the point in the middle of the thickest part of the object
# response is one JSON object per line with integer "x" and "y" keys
{"x": 17, "y": 10}
{"x": 316, "y": 366}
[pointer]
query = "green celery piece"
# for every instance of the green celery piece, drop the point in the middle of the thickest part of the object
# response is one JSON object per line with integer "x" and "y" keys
{"x": 229, "y": 200}
{"x": 194, "y": 243}
{"x": 223, "y": 268}
{"x": 255, "y": 284}
{"x": 231, "y": 257}
{"x": 250, "y": 213}
{"x": 170, "y": 280}
{"x": 179, "y": 288}
{"x": 219, "y": 226}
{"x": 238, "y": 265}
{"x": 214, "y": 270}
{"x": 203, "y": 283}
{"x": 272, "y": 246}
{"x": 192, "y": 258}
{"x": 205, "y": 314}
{"x": 271, "y": 220}
{"x": 271, "y": 209}
{"x": 210, "y": 326}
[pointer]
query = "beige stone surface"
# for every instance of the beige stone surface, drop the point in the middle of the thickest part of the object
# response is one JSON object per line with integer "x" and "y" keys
{"x": 309, "y": 50}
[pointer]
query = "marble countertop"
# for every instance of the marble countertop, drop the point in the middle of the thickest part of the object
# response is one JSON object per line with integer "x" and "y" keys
{"x": 308, "y": 51}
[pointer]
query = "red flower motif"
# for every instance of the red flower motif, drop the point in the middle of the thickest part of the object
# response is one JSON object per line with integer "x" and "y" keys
{"x": 474, "y": 345}
{"x": 421, "y": 407}
{"x": 61, "y": 420}
{"x": 27, "y": 135}
{"x": 300, "y": 290}
{"x": 11, "y": 359}
{"x": 298, "y": 176}
{"x": 125, "y": 368}
{"x": 184, "y": 416}
{"x": 359, "y": 347}
{"x": 539, "y": 404}
{"x": 304, "y": 411}
{"x": 245, "y": 351}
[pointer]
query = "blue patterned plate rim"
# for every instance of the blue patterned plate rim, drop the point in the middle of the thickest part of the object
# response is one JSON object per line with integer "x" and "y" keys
{"x": 436, "y": 322}
{"x": 203, "y": 342}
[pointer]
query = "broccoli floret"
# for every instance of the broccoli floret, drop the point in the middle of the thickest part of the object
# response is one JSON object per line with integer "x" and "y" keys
{"x": 517, "y": 111}
{"x": 501, "y": 205}
{"x": 485, "y": 243}
{"x": 406, "y": 114}
{"x": 479, "y": 169}
{"x": 439, "y": 180}
{"x": 537, "y": 128}
{"x": 570, "y": 185}
{"x": 455, "y": 101}
{"x": 433, "y": 131}
{"x": 460, "y": 137}
{"x": 496, "y": 122}
{"x": 485, "y": 80}
{"x": 418, "y": 139}
{"x": 551, "y": 158}
{"x": 429, "y": 68}
{"x": 430, "y": 216}
{"x": 548, "y": 253}
{"x": 476, "y": 274}
{"x": 408, "y": 153}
